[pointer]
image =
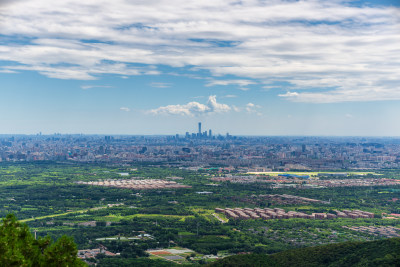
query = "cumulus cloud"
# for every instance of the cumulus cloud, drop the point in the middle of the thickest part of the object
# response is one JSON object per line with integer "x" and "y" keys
{"x": 193, "y": 108}
{"x": 345, "y": 52}
{"x": 252, "y": 108}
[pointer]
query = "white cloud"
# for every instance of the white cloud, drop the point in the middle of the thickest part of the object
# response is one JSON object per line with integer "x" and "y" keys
{"x": 347, "y": 53}
{"x": 290, "y": 95}
{"x": 160, "y": 85}
{"x": 270, "y": 87}
{"x": 125, "y": 109}
{"x": 342, "y": 95}
{"x": 230, "y": 96}
{"x": 216, "y": 107}
{"x": 240, "y": 83}
{"x": 7, "y": 71}
{"x": 252, "y": 108}
{"x": 193, "y": 108}
{"x": 86, "y": 87}
{"x": 236, "y": 109}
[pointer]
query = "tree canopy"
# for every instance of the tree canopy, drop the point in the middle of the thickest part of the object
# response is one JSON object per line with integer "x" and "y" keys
{"x": 372, "y": 253}
{"x": 18, "y": 247}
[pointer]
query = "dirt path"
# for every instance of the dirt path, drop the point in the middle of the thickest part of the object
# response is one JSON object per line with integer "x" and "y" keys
{"x": 218, "y": 218}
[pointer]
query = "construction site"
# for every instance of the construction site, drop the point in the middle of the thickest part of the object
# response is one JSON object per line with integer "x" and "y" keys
{"x": 137, "y": 184}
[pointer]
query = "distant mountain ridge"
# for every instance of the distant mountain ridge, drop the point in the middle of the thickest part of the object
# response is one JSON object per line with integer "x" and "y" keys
{"x": 372, "y": 253}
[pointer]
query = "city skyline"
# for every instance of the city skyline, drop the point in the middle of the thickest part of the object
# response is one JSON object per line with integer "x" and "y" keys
{"x": 293, "y": 68}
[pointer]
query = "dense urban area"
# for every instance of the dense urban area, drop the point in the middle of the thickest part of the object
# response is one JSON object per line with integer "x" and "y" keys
{"x": 250, "y": 153}
{"x": 197, "y": 198}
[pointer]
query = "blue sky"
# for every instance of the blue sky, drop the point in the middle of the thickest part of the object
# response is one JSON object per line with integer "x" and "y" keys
{"x": 158, "y": 67}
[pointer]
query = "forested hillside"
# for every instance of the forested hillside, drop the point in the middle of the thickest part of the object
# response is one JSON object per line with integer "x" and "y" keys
{"x": 374, "y": 253}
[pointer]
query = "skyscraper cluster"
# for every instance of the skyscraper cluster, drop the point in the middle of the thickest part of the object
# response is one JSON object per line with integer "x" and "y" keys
{"x": 200, "y": 134}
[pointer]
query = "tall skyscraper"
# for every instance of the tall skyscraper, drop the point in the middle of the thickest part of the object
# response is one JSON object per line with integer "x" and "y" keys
{"x": 200, "y": 128}
{"x": 209, "y": 133}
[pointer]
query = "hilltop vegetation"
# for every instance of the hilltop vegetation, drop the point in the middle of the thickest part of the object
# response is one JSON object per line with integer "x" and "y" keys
{"x": 19, "y": 248}
{"x": 373, "y": 253}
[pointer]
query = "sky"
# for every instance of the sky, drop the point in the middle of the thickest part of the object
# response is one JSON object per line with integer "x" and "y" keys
{"x": 251, "y": 67}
